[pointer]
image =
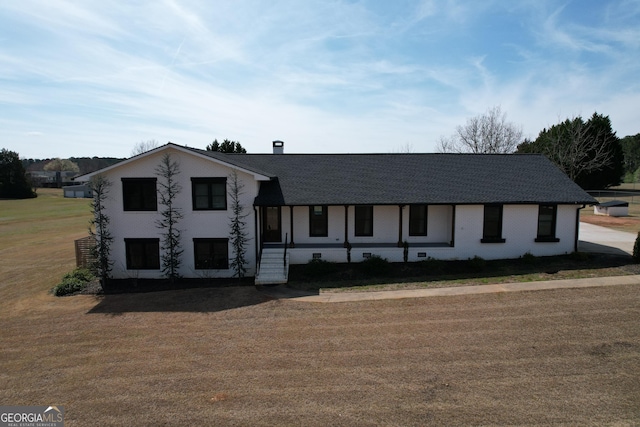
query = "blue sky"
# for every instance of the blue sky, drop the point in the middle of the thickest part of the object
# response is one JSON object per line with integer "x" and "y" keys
{"x": 93, "y": 78}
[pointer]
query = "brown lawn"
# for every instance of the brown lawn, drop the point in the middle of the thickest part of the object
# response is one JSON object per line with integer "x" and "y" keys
{"x": 231, "y": 356}
{"x": 629, "y": 223}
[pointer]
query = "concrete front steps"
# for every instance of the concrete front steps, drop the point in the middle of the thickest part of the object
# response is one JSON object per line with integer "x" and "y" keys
{"x": 273, "y": 270}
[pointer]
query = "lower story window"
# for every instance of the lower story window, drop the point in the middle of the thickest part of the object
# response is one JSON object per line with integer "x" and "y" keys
{"x": 364, "y": 221}
{"x": 547, "y": 223}
{"x": 418, "y": 220}
{"x": 492, "y": 226}
{"x": 318, "y": 221}
{"x": 143, "y": 254}
{"x": 211, "y": 254}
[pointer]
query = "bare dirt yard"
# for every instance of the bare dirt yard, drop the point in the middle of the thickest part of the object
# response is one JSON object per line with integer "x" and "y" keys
{"x": 234, "y": 357}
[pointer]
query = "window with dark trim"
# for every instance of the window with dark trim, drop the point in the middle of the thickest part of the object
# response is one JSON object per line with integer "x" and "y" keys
{"x": 211, "y": 254}
{"x": 139, "y": 194}
{"x": 547, "y": 223}
{"x": 209, "y": 194}
{"x": 418, "y": 220}
{"x": 142, "y": 254}
{"x": 492, "y": 226}
{"x": 318, "y": 221}
{"x": 364, "y": 221}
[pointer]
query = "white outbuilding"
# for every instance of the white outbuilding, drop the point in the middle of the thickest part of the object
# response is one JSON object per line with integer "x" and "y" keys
{"x": 612, "y": 208}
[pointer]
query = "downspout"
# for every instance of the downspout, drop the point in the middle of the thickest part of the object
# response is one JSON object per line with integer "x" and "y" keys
{"x": 453, "y": 226}
{"x": 291, "y": 245}
{"x": 256, "y": 211}
{"x": 346, "y": 226}
{"x": 575, "y": 245}
{"x": 400, "y": 208}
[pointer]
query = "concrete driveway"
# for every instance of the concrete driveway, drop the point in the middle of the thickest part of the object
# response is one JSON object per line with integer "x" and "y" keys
{"x": 593, "y": 238}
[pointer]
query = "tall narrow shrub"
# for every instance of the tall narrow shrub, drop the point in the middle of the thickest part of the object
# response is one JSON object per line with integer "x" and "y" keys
{"x": 636, "y": 249}
{"x": 99, "y": 228}
{"x": 238, "y": 235}
{"x": 170, "y": 215}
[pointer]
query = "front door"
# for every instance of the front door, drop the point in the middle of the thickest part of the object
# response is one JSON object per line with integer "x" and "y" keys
{"x": 271, "y": 224}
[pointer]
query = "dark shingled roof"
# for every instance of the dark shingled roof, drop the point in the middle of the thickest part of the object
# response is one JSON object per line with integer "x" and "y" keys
{"x": 391, "y": 179}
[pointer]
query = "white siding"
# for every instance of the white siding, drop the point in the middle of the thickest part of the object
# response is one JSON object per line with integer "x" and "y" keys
{"x": 195, "y": 224}
{"x": 519, "y": 229}
{"x": 519, "y": 225}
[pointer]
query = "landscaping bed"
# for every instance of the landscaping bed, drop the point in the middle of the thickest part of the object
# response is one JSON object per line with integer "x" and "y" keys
{"x": 379, "y": 275}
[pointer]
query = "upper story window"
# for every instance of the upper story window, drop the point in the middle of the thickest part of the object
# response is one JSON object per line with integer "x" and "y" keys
{"x": 318, "y": 221}
{"x": 547, "y": 223}
{"x": 492, "y": 226}
{"x": 418, "y": 220}
{"x": 364, "y": 221}
{"x": 209, "y": 193}
{"x": 139, "y": 194}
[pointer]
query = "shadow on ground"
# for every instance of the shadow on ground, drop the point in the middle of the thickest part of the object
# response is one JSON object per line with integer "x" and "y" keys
{"x": 197, "y": 300}
{"x": 309, "y": 279}
{"x": 601, "y": 249}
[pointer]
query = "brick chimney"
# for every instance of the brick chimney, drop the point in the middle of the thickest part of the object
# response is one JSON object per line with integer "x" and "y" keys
{"x": 278, "y": 147}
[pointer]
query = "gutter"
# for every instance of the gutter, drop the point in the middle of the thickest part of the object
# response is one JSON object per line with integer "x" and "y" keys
{"x": 575, "y": 245}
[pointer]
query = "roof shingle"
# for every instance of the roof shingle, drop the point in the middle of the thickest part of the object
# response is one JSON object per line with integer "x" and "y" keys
{"x": 385, "y": 179}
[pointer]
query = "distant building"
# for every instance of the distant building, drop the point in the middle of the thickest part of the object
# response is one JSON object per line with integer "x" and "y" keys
{"x": 612, "y": 208}
{"x": 77, "y": 191}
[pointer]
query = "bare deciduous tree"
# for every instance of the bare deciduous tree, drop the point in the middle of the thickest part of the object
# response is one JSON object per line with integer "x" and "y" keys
{"x": 588, "y": 152}
{"x": 484, "y": 134}
{"x": 576, "y": 149}
{"x": 144, "y": 146}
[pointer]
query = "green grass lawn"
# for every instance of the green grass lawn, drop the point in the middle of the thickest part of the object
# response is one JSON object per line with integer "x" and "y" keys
{"x": 37, "y": 241}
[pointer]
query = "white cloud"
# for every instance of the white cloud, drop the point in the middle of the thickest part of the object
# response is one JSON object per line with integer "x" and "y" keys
{"x": 95, "y": 78}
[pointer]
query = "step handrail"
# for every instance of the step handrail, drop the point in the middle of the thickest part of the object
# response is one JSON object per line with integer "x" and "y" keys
{"x": 286, "y": 238}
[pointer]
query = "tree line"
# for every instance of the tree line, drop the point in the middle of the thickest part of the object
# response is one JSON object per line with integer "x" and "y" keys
{"x": 588, "y": 151}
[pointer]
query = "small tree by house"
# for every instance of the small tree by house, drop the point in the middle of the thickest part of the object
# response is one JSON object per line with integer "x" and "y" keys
{"x": 636, "y": 249}
{"x": 170, "y": 215}
{"x": 238, "y": 234}
{"x": 99, "y": 228}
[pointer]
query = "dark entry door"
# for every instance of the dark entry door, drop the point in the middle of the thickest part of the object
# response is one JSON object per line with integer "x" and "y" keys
{"x": 271, "y": 224}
